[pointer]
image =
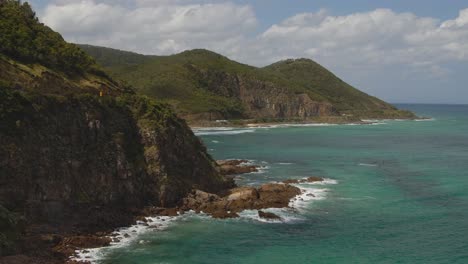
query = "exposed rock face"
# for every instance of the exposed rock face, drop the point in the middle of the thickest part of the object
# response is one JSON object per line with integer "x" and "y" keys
{"x": 240, "y": 199}
{"x": 264, "y": 99}
{"x": 232, "y": 167}
{"x": 84, "y": 163}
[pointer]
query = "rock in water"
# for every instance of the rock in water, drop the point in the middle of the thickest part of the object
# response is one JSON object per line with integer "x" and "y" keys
{"x": 239, "y": 199}
{"x": 232, "y": 167}
{"x": 268, "y": 215}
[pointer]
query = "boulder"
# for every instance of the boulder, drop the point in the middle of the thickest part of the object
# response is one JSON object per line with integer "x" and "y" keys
{"x": 314, "y": 179}
{"x": 291, "y": 181}
{"x": 224, "y": 214}
{"x": 268, "y": 215}
{"x": 276, "y": 195}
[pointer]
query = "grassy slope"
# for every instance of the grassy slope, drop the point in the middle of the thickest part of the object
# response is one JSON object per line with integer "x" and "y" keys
{"x": 174, "y": 79}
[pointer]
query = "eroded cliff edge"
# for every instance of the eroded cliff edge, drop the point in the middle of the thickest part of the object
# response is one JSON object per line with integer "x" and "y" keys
{"x": 80, "y": 152}
{"x": 84, "y": 163}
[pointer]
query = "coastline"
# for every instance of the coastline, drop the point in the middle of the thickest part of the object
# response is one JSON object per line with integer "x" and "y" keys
{"x": 156, "y": 223}
{"x": 216, "y": 126}
{"x": 274, "y": 202}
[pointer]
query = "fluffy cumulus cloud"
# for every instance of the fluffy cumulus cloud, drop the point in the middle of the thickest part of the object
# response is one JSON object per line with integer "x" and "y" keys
{"x": 157, "y": 27}
{"x": 376, "y": 38}
{"x": 352, "y": 45}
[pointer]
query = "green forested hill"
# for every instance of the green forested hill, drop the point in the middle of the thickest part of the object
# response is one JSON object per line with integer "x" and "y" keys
{"x": 314, "y": 77}
{"x": 197, "y": 82}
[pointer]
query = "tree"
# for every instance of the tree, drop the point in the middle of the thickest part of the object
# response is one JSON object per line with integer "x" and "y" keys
{"x": 24, "y": 38}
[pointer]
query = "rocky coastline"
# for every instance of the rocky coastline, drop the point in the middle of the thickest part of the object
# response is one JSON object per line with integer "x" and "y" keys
{"x": 63, "y": 247}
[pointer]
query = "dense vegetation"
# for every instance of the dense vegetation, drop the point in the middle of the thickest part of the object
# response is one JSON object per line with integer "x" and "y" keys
{"x": 191, "y": 81}
{"x": 24, "y": 38}
{"x": 313, "y": 77}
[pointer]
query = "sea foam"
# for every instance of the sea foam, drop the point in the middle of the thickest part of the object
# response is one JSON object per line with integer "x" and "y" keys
{"x": 221, "y": 131}
{"x": 367, "y": 165}
{"x": 129, "y": 235}
{"x": 126, "y": 236}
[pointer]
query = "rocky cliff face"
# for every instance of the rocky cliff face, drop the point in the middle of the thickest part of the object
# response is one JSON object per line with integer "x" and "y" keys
{"x": 86, "y": 164}
{"x": 262, "y": 99}
{"x": 80, "y": 152}
{"x": 61, "y": 156}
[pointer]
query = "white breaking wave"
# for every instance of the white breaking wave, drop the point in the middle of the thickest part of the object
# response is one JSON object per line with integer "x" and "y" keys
{"x": 368, "y": 165}
{"x": 260, "y": 170}
{"x": 126, "y": 236}
{"x": 308, "y": 194}
{"x": 196, "y": 129}
{"x": 129, "y": 235}
{"x": 288, "y": 215}
{"x": 326, "y": 181}
{"x": 290, "y": 125}
{"x": 223, "y": 132}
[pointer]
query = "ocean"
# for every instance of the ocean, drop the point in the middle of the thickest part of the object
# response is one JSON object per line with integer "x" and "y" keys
{"x": 396, "y": 192}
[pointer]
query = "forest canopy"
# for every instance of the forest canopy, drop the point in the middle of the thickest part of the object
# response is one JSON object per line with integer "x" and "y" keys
{"x": 24, "y": 38}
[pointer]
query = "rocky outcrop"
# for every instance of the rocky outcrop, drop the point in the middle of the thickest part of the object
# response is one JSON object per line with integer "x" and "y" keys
{"x": 68, "y": 245}
{"x": 268, "y": 215}
{"x": 239, "y": 199}
{"x": 233, "y": 167}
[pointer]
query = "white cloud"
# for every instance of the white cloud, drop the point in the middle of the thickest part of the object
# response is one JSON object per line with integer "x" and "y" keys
{"x": 371, "y": 38}
{"x": 157, "y": 29}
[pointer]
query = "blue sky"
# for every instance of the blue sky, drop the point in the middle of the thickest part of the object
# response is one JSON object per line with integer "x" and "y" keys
{"x": 272, "y": 11}
{"x": 401, "y": 51}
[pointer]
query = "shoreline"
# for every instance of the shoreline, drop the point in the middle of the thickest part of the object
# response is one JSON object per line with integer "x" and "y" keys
{"x": 278, "y": 202}
{"x": 131, "y": 234}
{"x": 230, "y": 125}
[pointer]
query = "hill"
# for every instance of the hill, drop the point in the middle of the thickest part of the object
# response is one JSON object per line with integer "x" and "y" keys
{"x": 202, "y": 85}
{"x": 73, "y": 162}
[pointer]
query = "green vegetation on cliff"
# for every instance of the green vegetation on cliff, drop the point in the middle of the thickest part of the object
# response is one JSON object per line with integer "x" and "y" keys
{"x": 201, "y": 81}
{"x": 35, "y": 58}
{"x": 24, "y": 38}
{"x": 72, "y": 161}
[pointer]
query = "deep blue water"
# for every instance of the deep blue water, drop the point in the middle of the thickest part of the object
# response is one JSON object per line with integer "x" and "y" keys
{"x": 401, "y": 196}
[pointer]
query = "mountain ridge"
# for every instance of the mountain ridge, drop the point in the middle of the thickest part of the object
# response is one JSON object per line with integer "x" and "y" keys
{"x": 294, "y": 89}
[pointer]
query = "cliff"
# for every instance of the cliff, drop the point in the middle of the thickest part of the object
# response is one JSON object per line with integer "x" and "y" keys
{"x": 72, "y": 161}
{"x": 204, "y": 86}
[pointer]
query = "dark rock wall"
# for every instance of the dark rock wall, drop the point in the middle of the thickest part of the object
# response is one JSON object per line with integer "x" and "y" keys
{"x": 58, "y": 154}
{"x": 263, "y": 99}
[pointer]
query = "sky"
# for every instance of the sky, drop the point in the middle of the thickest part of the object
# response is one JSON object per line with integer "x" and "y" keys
{"x": 400, "y": 51}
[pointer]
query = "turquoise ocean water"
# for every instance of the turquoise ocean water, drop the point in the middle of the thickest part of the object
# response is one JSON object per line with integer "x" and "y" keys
{"x": 401, "y": 196}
